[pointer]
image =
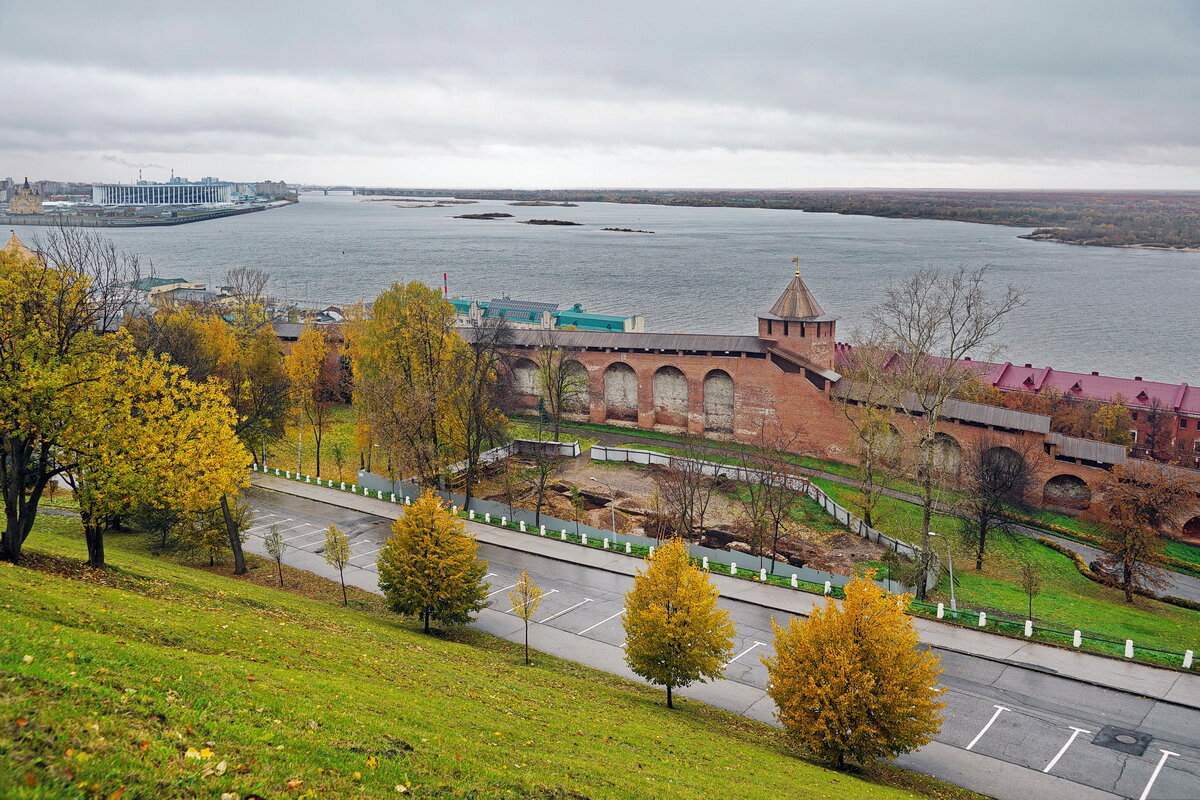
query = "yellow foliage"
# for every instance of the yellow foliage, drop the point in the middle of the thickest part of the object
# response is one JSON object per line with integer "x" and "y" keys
{"x": 428, "y": 567}
{"x": 675, "y": 634}
{"x": 852, "y": 681}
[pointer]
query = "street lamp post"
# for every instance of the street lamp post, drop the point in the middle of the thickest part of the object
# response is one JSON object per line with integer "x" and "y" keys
{"x": 950, "y": 564}
{"x": 612, "y": 503}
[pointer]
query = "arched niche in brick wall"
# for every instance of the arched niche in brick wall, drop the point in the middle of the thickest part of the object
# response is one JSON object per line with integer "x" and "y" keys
{"x": 620, "y": 392}
{"x": 670, "y": 388}
{"x": 524, "y": 377}
{"x": 1067, "y": 491}
{"x": 947, "y": 454}
{"x": 575, "y": 394}
{"x": 1191, "y": 530}
{"x": 718, "y": 402}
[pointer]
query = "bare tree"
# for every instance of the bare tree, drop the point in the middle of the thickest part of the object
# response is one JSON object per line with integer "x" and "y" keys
{"x": 1031, "y": 582}
{"x": 480, "y": 395}
{"x": 1137, "y": 504}
{"x": 996, "y": 476}
{"x": 686, "y": 488}
{"x": 863, "y": 396}
{"x": 1158, "y": 441}
{"x": 560, "y": 381}
{"x": 931, "y": 321}
{"x": 770, "y": 501}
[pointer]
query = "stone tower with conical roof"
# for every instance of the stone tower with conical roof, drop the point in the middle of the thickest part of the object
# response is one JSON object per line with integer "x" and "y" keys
{"x": 798, "y": 324}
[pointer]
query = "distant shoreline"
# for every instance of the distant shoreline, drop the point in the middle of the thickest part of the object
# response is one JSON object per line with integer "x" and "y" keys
{"x": 82, "y": 221}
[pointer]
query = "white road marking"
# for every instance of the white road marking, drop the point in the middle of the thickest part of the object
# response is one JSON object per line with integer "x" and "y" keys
{"x": 565, "y": 610}
{"x": 979, "y": 735}
{"x": 490, "y": 574}
{"x": 367, "y": 553}
{"x": 268, "y": 524}
{"x": 601, "y": 622}
{"x": 747, "y": 650}
{"x": 1157, "y": 769}
{"x": 1074, "y": 732}
{"x": 548, "y": 592}
{"x": 498, "y": 591}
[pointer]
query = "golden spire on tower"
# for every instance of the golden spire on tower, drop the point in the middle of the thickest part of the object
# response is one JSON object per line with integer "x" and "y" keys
{"x": 796, "y": 261}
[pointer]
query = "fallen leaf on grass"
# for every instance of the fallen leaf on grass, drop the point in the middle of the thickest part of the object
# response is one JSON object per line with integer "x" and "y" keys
{"x": 294, "y": 783}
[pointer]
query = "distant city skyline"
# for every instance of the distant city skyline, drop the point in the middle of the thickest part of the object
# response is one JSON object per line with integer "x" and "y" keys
{"x": 1070, "y": 95}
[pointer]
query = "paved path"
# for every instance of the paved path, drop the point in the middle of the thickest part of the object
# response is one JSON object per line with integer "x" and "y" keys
{"x": 1178, "y": 584}
{"x": 1044, "y": 692}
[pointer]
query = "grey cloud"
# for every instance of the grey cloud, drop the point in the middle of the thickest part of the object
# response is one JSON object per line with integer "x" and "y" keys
{"x": 1112, "y": 82}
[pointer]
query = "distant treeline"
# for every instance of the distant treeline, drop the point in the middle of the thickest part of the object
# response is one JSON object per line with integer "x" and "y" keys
{"x": 1163, "y": 219}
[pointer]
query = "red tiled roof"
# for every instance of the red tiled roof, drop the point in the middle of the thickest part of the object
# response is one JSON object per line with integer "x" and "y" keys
{"x": 1133, "y": 392}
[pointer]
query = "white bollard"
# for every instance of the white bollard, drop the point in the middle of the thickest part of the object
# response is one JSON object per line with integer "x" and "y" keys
{"x": 522, "y": 526}
{"x": 606, "y": 544}
{"x": 828, "y": 587}
{"x": 1029, "y": 627}
{"x": 1187, "y": 659}
{"x": 583, "y": 538}
{"x": 543, "y": 530}
{"x": 1077, "y": 640}
{"x": 762, "y": 575}
{"x": 379, "y": 494}
{"x": 651, "y": 553}
{"x": 277, "y": 471}
{"x": 704, "y": 563}
{"x": 487, "y": 517}
{"x": 393, "y": 497}
{"x": 407, "y": 501}
{"x": 454, "y": 509}
{"x": 982, "y": 618}
{"x": 628, "y": 548}
{"x": 1129, "y": 648}
{"x": 795, "y": 581}
{"x": 503, "y": 521}
{"x": 941, "y": 612}
{"x": 564, "y": 534}
{"x": 732, "y": 568}
{"x": 343, "y": 486}
{"x": 287, "y": 474}
{"x": 308, "y": 479}
{"x": 471, "y": 514}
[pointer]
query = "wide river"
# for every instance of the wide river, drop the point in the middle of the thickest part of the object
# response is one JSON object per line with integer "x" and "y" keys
{"x": 1122, "y": 312}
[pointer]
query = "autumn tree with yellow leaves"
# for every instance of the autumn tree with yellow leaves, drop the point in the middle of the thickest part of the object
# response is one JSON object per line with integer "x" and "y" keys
{"x": 675, "y": 634}
{"x": 337, "y": 554}
{"x": 852, "y": 680}
{"x": 526, "y": 598}
{"x": 314, "y": 375}
{"x": 428, "y": 566}
{"x": 158, "y": 439}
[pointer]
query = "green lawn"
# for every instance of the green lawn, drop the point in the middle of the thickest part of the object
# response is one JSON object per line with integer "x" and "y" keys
{"x": 167, "y": 681}
{"x": 282, "y": 453}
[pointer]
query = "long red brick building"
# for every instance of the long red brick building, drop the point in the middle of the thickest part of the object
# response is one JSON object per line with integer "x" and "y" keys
{"x": 784, "y": 379}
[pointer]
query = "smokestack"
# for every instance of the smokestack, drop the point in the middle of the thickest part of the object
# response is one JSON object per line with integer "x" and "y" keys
{"x": 445, "y": 285}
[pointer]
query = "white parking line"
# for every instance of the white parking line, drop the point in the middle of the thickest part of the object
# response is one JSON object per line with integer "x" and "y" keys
{"x": 1074, "y": 732}
{"x": 601, "y": 622}
{"x": 747, "y": 650}
{"x": 498, "y": 591}
{"x": 1157, "y": 769}
{"x": 267, "y": 524}
{"x": 565, "y": 610}
{"x": 368, "y": 552}
{"x": 490, "y": 574}
{"x": 548, "y": 592}
{"x": 979, "y": 735}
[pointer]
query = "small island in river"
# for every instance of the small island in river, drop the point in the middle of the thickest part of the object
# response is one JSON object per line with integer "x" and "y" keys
{"x": 625, "y": 230}
{"x": 545, "y": 221}
{"x": 543, "y": 203}
{"x": 487, "y": 215}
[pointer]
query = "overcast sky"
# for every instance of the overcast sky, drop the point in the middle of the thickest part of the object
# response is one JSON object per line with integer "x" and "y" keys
{"x": 961, "y": 93}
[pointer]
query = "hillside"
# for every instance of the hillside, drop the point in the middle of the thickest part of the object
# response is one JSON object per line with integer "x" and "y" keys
{"x": 163, "y": 680}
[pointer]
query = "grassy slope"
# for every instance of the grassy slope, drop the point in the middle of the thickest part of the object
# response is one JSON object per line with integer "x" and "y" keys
{"x": 112, "y": 678}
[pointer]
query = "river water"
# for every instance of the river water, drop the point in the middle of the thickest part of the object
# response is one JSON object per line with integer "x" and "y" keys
{"x": 1121, "y": 312}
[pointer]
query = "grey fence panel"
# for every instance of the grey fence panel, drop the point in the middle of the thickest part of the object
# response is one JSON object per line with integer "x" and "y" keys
{"x": 745, "y": 474}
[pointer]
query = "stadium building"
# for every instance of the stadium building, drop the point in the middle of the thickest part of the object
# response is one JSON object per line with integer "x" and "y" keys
{"x": 177, "y": 193}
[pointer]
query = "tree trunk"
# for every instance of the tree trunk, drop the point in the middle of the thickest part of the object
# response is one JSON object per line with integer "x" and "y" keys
{"x": 670, "y": 703}
{"x": 235, "y": 538}
{"x": 279, "y": 566}
{"x": 982, "y": 543}
{"x": 342, "y": 577}
{"x": 425, "y": 614}
{"x": 317, "y": 442}
{"x": 527, "y": 641}
{"x": 94, "y": 535}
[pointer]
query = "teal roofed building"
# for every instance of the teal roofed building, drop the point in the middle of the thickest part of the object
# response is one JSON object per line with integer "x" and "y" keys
{"x": 534, "y": 314}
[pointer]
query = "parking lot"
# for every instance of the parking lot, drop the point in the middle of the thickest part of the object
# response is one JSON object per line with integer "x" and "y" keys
{"x": 1115, "y": 742}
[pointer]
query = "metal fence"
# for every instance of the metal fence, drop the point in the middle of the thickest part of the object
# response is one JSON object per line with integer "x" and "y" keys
{"x": 795, "y": 482}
